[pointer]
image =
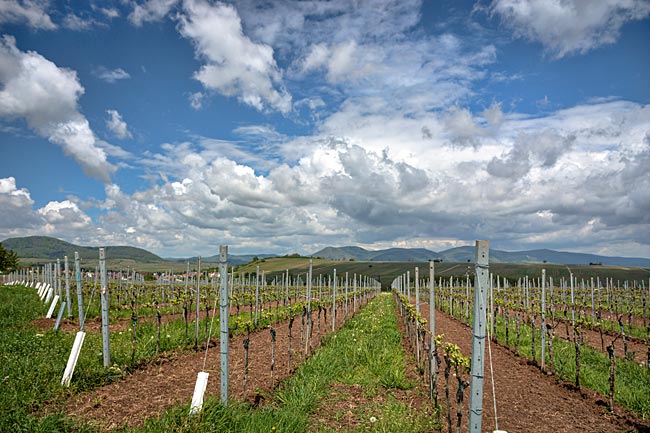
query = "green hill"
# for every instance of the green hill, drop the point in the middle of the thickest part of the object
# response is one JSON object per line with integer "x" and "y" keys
{"x": 44, "y": 247}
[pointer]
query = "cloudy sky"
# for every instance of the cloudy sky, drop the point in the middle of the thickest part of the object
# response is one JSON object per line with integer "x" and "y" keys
{"x": 282, "y": 126}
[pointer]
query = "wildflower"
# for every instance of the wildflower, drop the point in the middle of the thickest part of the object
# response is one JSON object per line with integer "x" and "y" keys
{"x": 273, "y": 428}
{"x": 373, "y": 420}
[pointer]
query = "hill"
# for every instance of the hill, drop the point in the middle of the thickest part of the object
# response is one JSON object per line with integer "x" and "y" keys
{"x": 466, "y": 253}
{"x": 44, "y": 247}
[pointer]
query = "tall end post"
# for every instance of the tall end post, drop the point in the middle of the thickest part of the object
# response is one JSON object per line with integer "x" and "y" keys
{"x": 478, "y": 336}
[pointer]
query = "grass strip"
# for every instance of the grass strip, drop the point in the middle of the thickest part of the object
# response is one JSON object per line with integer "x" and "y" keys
{"x": 366, "y": 351}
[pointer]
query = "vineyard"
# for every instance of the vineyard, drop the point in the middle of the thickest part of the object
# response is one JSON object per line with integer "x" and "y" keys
{"x": 97, "y": 349}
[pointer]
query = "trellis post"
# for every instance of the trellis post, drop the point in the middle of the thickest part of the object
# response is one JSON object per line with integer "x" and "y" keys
{"x": 478, "y": 339}
{"x": 223, "y": 321}
{"x": 104, "y": 300}
{"x": 543, "y": 319}
{"x": 198, "y": 300}
{"x": 67, "y": 286}
{"x": 80, "y": 299}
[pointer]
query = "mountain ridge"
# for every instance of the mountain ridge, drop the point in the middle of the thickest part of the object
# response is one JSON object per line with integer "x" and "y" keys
{"x": 44, "y": 247}
{"x": 466, "y": 253}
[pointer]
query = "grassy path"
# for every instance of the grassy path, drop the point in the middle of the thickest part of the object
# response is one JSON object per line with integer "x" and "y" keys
{"x": 356, "y": 381}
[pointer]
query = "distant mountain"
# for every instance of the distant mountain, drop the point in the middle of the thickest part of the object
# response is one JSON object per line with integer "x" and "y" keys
{"x": 389, "y": 255}
{"x": 467, "y": 253}
{"x": 345, "y": 253}
{"x": 44, "y": 247}
{"x": 233, "y": 259}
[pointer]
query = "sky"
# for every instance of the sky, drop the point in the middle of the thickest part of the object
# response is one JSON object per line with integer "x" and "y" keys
{"x": 282, "y": 127}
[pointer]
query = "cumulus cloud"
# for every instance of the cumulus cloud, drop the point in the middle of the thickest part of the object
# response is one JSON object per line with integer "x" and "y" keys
{"x": 18, "y": 217}
{"x": 543, "y": 149}
{"x": 117, "y": 125}
{"x": 111, "y": 75}
{"x": 35, "y": 89}
{"x": 15, "y": 206}
{"x": 577, "y": 175}
{"x": 75, "y": 22}
{"x": 150, "y": 11}
{"x": 58, "y": 213}
{"x": 235, "y": 65}
{"x": 570, "y": 26}
{"x": 340, "y": 60}
{"x": 33, "y": 13}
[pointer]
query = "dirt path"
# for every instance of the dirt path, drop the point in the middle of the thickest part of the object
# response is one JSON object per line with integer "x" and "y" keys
{"x": 527, "y": 400}
{"x": 149, "y": 391}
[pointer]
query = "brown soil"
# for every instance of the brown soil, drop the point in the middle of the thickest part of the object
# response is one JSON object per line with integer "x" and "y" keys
{"x": 170, "y": 382}
{"x": 527, "y": 399}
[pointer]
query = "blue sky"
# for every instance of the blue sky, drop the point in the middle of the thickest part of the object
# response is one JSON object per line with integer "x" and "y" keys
{"x": 179, "y": 125}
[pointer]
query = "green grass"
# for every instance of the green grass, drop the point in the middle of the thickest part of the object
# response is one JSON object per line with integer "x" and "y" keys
{"x": 32, "y": 361}
{"x": 366, "y": 351}
{"x": 31, "y": 365}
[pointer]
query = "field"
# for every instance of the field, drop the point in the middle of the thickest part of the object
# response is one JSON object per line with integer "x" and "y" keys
{"x": 331, "y": 352}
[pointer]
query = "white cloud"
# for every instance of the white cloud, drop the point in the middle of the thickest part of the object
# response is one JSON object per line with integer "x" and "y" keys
{"x": 15, "y": 206}
{"x": 339, "y": 60}
{"x": 569, "y": 26}
{"x": 46, "y": 96}
{"x": 34, "y": 13}
{"x": 75, "y": 22}
{"x": 235, "y": 65}
{"x": 111, "y": 75}
{"x": 58, "y": 213}
{"x": 576, "y": 176}
{"x": 196, "y": 100}
{"x": 150, "y": 11}
{"x": 19, "y": 218}
{"x": 117, "y": 125}
{"x": 110, "y": 12}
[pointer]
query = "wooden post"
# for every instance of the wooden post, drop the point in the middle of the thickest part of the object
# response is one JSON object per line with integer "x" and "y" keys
{"x": 478, "y": 339}
{"x": 104, "y": 300}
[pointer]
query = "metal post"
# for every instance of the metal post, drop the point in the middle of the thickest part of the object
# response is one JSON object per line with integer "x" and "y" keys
{"x": 198, "y": 300}
{"x": 417, "y": 290}
{"x": 80, "y": 299}
{"x": 257, "y": 293}
{"x": 67, "y": 286}
{"x": 543, "y": 319}
{"x": 58, "y": 278}
{"x": 104, "y": 299}
{"x": 478, "y": 340}
{"x": 432, "y": 327}
{"x": 307, "y": 328}
{"x": 334, "y": 302}
{"x": 223, "y": 321}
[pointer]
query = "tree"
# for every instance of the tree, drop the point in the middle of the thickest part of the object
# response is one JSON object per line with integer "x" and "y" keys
{"x": 8, "y": 260}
